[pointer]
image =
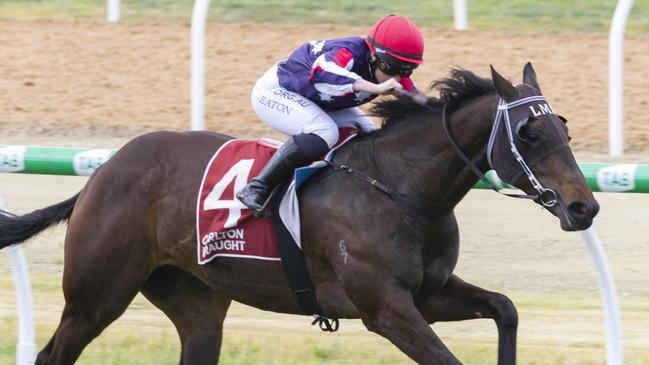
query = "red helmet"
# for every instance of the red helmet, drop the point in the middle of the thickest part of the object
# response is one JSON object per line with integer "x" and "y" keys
{"x": 398, "y": 37}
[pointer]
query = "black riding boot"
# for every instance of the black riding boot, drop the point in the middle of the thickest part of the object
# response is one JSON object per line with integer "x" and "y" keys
{"x": 287, "y": 158}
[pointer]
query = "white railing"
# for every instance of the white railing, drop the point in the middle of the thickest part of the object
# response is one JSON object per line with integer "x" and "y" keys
{"x": 614, "y": 348}
{"x": 460, "y": 14}
{"x": 616, "y": 78}
{"x": 199, "y": 18}
{"x": 26, "y": 346}
{"x": 113, "y": 10}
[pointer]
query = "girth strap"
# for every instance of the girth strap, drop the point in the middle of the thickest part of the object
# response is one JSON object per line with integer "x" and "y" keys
{"x": 294, "y": 265}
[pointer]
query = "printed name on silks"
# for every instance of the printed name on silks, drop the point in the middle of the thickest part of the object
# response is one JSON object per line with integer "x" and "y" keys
{"x": 231, "y": 240}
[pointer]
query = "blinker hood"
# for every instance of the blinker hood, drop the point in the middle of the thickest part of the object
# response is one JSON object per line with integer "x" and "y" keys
{"x": 505, "y": 142}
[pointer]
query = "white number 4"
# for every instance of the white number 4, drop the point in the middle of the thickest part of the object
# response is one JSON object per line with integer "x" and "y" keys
{"x": 239, "y": 172}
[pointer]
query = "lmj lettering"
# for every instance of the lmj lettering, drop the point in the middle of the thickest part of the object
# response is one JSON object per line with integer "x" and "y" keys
{"x": 542, "y": 109}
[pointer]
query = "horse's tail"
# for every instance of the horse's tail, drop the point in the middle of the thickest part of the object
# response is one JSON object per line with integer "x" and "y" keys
{"x": 14, "y": 229}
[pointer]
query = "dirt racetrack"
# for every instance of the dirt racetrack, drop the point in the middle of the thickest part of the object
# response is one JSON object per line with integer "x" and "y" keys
{"x": 98, "y": 85}
{"x": 79, "y": 80}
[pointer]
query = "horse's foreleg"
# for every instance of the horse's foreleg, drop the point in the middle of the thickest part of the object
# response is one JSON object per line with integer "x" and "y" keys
{"x": 458, "y": 300}
{"x": 389, "y": 310}
{"x": 196, "y": 310}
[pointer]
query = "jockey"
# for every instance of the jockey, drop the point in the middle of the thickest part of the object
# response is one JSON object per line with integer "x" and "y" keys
{"x": 318, "y": 89}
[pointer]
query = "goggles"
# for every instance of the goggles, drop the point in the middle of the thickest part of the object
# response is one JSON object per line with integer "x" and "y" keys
{"x": 393, "y": 67}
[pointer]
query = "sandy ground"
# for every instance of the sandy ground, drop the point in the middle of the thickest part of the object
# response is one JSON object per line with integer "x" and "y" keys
{"x": 98, "y": 85}
{"x": 75, "y": 81}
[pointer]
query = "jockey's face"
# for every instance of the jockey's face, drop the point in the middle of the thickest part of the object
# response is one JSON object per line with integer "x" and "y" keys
{"x": 380, "y": 75}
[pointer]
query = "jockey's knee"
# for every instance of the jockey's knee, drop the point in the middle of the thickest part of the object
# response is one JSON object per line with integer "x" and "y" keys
{"x": 328, "y": 135}
{"x": 312, "y": 145}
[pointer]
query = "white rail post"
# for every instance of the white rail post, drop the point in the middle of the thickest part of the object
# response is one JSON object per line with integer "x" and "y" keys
{"x": 113, "y": 11}
{"x": 616, "y": 78}
{"x": 460, "y": 14}
{"x": 199, "y": 18}
{"x": 26, "y": 346}
{"x": 614, "y": 349}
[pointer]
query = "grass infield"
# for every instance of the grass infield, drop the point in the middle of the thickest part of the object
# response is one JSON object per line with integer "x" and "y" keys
{"x": 144, "y": 336}
{"x": 511, "y": 15}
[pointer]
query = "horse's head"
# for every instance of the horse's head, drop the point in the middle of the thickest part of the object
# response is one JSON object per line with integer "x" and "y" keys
{"x": 529, "y": 149}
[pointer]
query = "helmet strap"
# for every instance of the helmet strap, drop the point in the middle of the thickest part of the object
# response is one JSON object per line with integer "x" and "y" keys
{"x": 374, "y": 63}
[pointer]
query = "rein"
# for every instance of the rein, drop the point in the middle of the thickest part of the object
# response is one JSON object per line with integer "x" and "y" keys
{"x": 413, "y": 205}
{"x": 545, "y": 197}
{"x": 472, "y": 166}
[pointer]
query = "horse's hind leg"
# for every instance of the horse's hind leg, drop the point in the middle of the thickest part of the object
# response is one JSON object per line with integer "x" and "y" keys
{"x": 103, "y": 271}
{"x": 458, "y": 300}
{"x": 195, "y": 309}
{"x": 92, "y": 302}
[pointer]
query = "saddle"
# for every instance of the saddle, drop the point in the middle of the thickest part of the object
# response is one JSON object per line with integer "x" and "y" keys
{"x": 226, "y": 228}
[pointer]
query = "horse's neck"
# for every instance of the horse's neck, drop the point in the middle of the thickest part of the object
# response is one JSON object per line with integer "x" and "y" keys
{"x": 470, "y": 128}
{"x": 419, "y": 160}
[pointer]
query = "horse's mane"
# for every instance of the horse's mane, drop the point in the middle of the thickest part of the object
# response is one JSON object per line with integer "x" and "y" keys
{"x": 461, "y": 86}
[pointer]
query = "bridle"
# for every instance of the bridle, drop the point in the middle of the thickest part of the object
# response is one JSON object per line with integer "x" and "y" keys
{"x": 545, "y": 197}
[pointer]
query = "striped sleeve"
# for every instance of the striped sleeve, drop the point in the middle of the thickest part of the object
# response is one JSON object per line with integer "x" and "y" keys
{"x": 331, "y": 73}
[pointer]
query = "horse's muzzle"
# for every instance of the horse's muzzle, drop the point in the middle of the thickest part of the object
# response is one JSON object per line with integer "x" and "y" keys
{"x": 580, "y": 215}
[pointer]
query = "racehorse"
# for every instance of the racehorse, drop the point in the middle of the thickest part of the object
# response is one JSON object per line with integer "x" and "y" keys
{"x": 132, "y": 228}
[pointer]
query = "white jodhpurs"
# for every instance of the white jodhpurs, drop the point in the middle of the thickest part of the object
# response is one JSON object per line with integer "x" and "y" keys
{"x": 291, "y": 113}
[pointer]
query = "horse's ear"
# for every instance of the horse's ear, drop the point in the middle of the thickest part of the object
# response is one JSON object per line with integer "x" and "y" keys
{"x": 505, "y": 88}
{"x": 529, "y": 77}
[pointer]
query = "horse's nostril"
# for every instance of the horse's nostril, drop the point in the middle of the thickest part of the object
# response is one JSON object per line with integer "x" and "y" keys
{"x": 595, "y": 209}
{"x": 580, "y": 211}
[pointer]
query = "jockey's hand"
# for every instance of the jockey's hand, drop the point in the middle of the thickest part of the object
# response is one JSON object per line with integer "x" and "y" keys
{"x": 383, "y": 88}
{"x": 387, "y": 86}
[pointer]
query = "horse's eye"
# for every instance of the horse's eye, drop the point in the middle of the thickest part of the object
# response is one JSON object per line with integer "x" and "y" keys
{"x": 529, "y": 134}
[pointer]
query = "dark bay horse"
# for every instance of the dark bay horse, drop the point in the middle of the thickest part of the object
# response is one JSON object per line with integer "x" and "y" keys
{"x": 132, "y": 228}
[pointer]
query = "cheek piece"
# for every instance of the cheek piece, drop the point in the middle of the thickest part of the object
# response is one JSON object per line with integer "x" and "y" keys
{"x": 498, "y": 156}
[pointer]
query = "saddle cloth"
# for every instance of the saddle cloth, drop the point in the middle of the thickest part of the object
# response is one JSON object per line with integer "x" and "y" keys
{"x": 224, "y": 226}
